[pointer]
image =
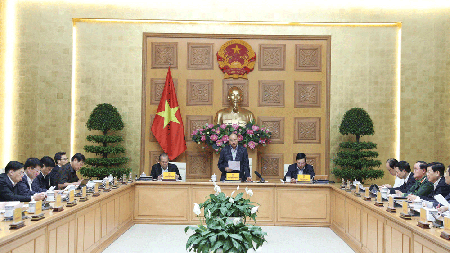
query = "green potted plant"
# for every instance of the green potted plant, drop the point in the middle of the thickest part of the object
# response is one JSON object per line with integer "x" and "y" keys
{"x": 220, "y": 233}
{"x": 105, "y": 118}
{"x": 356, "y": 159}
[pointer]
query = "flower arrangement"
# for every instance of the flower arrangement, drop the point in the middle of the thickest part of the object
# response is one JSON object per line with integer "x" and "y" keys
{"x": 217, "y": 136}
{"x": 221, "y": 234}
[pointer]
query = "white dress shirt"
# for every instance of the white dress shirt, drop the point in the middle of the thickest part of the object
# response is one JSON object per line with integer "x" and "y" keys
{"x": 399, "y": 182}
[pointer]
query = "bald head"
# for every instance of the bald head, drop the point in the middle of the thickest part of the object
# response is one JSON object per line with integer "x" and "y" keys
{"x": 233, "y": 139}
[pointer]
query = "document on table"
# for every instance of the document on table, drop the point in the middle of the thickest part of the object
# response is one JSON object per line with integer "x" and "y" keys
{"x": 441, "y": 200}
{"x": 234, "y": 165}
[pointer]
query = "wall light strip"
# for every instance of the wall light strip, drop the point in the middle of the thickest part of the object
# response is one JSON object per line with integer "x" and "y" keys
{"x": 252, "y": 23}
{"x": 9, "y": 91}
{"x": 398, "y": 93}
{"x": 73, "y": 97}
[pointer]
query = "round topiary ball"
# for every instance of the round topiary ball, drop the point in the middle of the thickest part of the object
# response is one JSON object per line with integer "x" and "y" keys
{"x": 105, "y": 117}
{"x": 356, "y": 121}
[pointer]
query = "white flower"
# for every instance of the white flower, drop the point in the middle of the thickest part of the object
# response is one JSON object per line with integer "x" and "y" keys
{"x": 217, "y": 189}
{"x": 254, "y": 209}
{"x": 232, "y": 194}
{"x": 231, "y": 200}
{"x": 237, "y": 188}
{"x": 196, "y": 209}
{"x": 236, "y": 221}
{"x": 249, "y": 192}
{"x": 209, "y": 213}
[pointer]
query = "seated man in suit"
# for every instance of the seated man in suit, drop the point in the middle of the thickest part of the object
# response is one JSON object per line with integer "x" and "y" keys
{"x": 61, "y": 159}
{"x": 234, "y": 152}
{"x": 447, "y": 181}
{"x": 435, "y": 173}
{"x": 164, "y": 166}
{"x": 44, "y": 180}
{"x": 67, "y": 174}
{"x": 422, "y": 187}
{"x": 391, "y": 163}
{"x": 32, "y": 169}
{"x": 8, "y": 184}
{"x": 403, "y": 171}
{"x": 301, "y": 167}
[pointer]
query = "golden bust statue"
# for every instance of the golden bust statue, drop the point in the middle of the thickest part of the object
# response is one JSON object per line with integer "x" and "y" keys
{"x": 234, "y": 114}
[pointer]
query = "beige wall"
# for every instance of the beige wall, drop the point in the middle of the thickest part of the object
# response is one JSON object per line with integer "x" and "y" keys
{"x": 362, "y": 70}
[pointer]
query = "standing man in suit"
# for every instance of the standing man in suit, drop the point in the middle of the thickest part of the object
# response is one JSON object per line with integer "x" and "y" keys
{"x": 44, "y": 180}
{"x": 164, "y": 166}
{"x": 234, "y": 152}
{"x": 32, "y": 169}
{"x": 8, "y": 184}
{"x": 300, "y": 167}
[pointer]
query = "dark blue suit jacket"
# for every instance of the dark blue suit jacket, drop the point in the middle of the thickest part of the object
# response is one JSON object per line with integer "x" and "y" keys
{"x": 241, "y": 155}
{"x": 293, "y": 171}
{"x": 442, "y": 188}
{"x": 405, "y": 186}
{"x": 157, "y": 170}
{"x": 24, "y": 187}
{"x": 42, "y": 184}
{"x": 10, "y": 193}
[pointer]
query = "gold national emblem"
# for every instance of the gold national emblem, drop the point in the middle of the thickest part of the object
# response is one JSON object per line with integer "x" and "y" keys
{"x": 236, "y": 59}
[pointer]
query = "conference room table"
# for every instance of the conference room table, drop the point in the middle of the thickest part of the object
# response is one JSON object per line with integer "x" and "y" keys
{"x": 93, "y": 225}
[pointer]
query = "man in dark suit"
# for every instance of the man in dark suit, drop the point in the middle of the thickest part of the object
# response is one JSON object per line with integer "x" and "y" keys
{"x": 32, "y": 169}
{"x": 234, "y": 152}
{"x": 435, "y": 174}
{"x": 403, "y": 171}
{"x": 43, "y": 181}
{"x": 301, "y": 167}
{"x": 67, "y": 175}
{"x": 8, "y": 184}
{"x": 164, "y": 166}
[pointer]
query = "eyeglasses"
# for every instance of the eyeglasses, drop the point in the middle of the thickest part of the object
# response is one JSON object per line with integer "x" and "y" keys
{"x": 64, "y": 159}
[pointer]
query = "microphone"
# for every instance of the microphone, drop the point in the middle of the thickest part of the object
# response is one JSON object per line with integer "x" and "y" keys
{"x": 259, "y": 175}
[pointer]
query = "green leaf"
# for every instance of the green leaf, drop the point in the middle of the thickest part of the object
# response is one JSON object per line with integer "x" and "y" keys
{"x": 237, "y": 237}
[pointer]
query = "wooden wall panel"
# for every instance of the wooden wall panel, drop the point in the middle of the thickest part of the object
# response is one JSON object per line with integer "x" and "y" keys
{"x": 173, "y": 205}
{"x": 294, "y": 205}
{"x": 293, "y": 80}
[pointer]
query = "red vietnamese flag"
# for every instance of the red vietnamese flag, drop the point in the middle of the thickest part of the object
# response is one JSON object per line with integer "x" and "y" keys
{"x": 168, "y": 126}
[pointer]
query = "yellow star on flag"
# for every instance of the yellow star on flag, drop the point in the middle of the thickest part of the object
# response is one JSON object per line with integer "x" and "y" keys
{"x": 169, "y": 114}
{"x": 236, "y": 49}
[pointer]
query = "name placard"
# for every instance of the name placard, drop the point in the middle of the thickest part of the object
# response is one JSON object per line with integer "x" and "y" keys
{"x": 115, "y": 180}
{"x": 391, "y": 201}
{"x": 58, "y": 200}
{"x": 83, "y": 192}
{"x": 107, "y": 184}
{"x": 17, "y": 215}
{"x": 169, "y": 175}
{"x": 96, "y": 187}
{"x": 367, "y": 193}
{"x": 379, "y": 200}
{"x": 405, "y": 207}
{"x": 303, "y": 178}
{"x": 232, "y": 176}
{"x": 71, "y": 196}
{"x": 423, "y": 215}
{"x": 447, "y": 223}
{"x": 38, "y": 207}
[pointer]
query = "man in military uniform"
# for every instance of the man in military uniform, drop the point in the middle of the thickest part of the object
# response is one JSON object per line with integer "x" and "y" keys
{"x": 422, "y": 187}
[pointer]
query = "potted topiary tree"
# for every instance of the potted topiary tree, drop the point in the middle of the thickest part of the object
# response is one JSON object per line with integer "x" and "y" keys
{"x": 356, "y": 159}
{"x": 105, "y": 118}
